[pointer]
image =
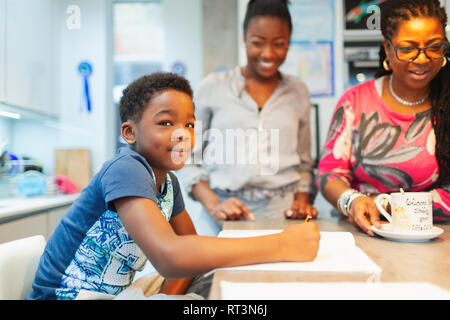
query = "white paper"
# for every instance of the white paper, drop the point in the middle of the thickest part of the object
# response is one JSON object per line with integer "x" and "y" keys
{"x": 337, "y": 253}
{"x": 331, "y": 291}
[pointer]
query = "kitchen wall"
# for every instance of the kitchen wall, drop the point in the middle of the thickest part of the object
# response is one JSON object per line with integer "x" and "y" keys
{"x": 92, "y": 41}
{"x": 183, "y": 37}
{"x": 5, "y": 130}
{"x": 220, "y": 35}
{"x": 75, "y": 128}
{"x": 191, "y": 38}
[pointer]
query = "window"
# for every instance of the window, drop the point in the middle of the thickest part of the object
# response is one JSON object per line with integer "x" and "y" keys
{"x": 138, "y": 42}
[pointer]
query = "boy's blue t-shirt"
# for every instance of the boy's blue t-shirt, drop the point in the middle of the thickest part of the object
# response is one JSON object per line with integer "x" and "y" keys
{"x": 90, "y": 249}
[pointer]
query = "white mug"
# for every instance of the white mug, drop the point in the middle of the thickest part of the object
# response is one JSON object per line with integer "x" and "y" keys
{"x": 411, "y": 211}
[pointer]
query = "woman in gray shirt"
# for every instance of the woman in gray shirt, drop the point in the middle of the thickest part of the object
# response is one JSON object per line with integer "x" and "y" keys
{"x": 252, "y": 154}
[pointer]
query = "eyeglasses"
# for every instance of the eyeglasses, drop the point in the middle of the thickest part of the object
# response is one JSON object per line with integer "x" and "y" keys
{"x": 409, "y": 54}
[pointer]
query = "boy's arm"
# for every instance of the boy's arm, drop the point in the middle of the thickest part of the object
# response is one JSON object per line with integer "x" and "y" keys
{"x": 177, "y": 256}
{"x": 181, "y": 224}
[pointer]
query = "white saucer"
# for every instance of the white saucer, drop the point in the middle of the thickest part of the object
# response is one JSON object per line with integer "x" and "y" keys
{"x": 387, "y": 231}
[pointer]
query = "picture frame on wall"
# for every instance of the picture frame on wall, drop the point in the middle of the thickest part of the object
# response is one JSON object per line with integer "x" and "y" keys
{"x": 314, "y": 64}
{"x": 315, "y": 134}
{"x": 311, "y": 53}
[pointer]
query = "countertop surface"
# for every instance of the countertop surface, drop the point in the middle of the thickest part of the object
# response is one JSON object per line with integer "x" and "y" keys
{"x": 10, "y": 207}
{"x": 401, "y": 261}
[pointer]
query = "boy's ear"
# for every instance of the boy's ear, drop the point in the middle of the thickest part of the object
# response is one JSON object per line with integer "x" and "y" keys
{"x": 128, "y": 132}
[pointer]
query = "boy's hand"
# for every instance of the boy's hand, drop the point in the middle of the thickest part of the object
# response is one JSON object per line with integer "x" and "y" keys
{"x": 300, "y": 242}
{"x": 299, "y": 210}
{"x": 231, "y": 209}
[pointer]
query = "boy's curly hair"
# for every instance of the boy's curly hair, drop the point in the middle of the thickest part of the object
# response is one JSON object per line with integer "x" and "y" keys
{"x": 139, "y": 93}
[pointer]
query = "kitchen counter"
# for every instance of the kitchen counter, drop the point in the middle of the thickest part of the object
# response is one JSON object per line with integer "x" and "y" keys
{"x": 16, "y": 208}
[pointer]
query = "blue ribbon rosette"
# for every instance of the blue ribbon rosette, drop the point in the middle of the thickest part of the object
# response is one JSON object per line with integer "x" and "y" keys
{"x": 85, "y": 70}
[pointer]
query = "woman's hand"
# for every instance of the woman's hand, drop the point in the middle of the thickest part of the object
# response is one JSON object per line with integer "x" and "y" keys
{"x": 301, "y": 207}
{"x": 364, "y": 213}
{"x": 231, "y": 209}
{"x": 300, "y": 210}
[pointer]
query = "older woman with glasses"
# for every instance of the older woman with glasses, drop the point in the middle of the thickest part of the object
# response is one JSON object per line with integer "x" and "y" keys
{"x": 392, "y": 133}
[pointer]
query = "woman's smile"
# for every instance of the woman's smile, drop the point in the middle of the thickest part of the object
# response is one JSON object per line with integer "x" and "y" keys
{"x": 268, "y": 66}
{"x": 419, "y": 75}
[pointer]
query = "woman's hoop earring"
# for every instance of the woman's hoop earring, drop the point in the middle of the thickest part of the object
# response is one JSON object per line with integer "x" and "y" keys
{"x": 386, "y": 65}
{"x": 444, "y": 63}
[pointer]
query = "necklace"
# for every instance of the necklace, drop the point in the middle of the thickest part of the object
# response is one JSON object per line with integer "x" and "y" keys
{"x": 406, "y": 103}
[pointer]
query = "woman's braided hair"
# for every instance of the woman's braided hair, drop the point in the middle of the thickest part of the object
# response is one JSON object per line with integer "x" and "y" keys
{"x": 392, "y": 13}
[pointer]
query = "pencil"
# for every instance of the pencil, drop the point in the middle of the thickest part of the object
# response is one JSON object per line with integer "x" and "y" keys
{"x": 307, "y": 218}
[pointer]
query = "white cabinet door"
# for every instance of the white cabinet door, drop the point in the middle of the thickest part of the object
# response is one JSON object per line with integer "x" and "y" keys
{"x": 25, "y": 227}
{"x": 54, "y": 217}
{"x": 2, "y": 48}
{"x": 41, "y": 223}
{"x": 29, "y": 54}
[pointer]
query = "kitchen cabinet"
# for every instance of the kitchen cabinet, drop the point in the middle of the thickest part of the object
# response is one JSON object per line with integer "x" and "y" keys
{"x": 22, "y": 228}
{"x": 53, "y": 218}
{"x": 28, "y": 42}
{"x": 40, "y": 223}
{"x": 2, "y": 48}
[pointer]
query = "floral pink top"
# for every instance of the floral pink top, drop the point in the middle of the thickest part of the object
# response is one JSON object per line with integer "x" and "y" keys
{"x": 375, "y": 149}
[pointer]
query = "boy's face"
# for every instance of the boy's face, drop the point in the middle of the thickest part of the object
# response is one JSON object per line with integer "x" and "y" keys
{"x": 165, "y": 133}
